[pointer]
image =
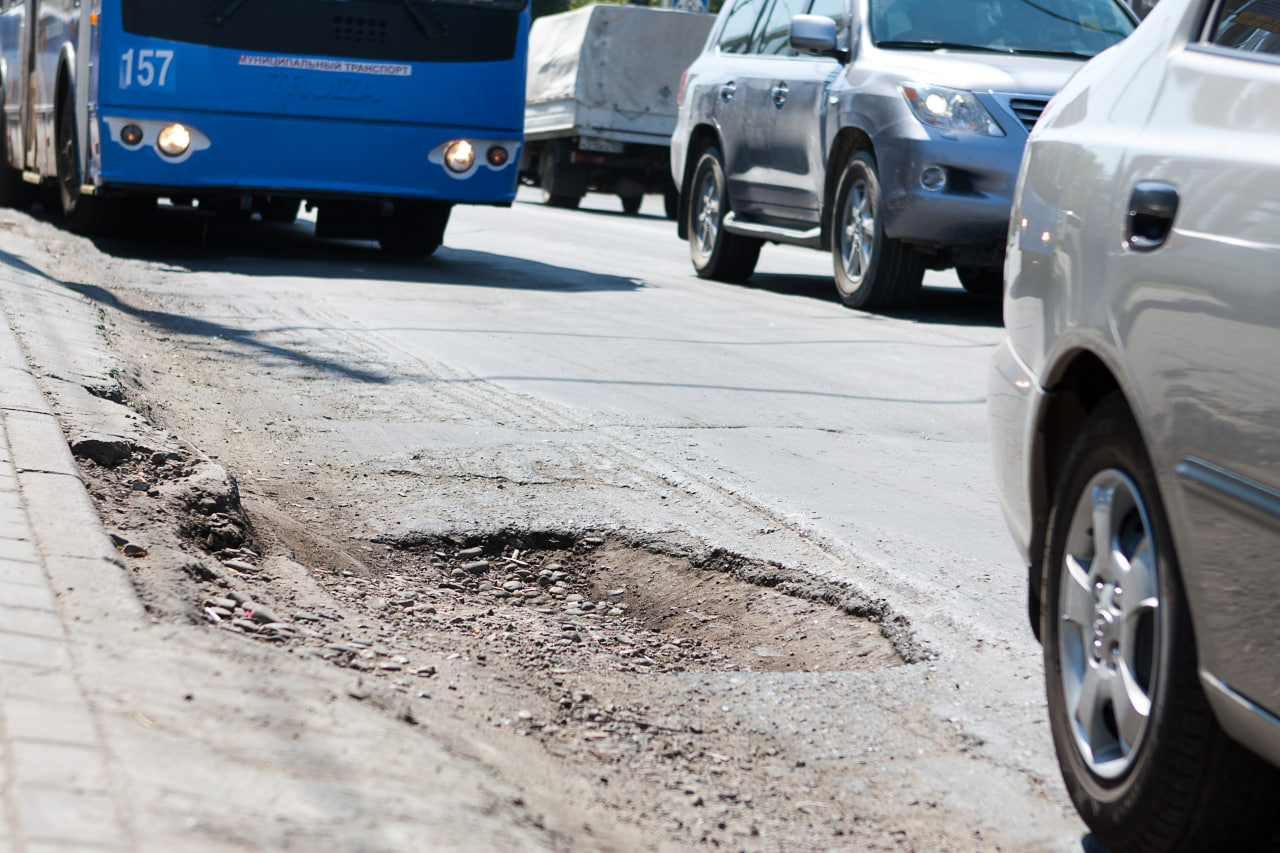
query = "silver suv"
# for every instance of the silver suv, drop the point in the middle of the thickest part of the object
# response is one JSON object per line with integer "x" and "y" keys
{"x": 886, "y": 131}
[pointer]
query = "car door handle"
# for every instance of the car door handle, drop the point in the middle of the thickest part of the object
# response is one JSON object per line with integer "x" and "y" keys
{"x": 727, "y": 90}
{"x": 1152, "y": 207}
{"x": 780, "y": 93}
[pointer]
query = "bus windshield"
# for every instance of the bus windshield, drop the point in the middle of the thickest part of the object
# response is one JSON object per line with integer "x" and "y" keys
{"x": 400, "y": 30}
{"x": 1069, "y": 28}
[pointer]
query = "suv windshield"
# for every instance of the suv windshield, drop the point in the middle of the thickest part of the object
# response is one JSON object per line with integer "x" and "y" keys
{"x": 1039, "y": 27}
{"x": 403, "y": 30}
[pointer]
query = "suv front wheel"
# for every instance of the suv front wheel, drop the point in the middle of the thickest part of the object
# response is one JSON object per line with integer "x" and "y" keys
{"x": 872, "y": 270}
{"x": 715, "y": 253}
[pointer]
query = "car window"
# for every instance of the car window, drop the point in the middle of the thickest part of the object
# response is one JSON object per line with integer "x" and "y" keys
{"x": 1249, "y": 25}
{"x": 735, "y": 37}
{"x": 775, "y": 34}
{"x": 1037, "y": 27}
{"x": 834, "y": 9}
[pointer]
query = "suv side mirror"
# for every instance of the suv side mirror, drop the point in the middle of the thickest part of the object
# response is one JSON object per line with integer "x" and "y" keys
{"x": 815, "y": 35}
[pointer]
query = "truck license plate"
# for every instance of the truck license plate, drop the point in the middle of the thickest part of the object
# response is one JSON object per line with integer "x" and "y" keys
{"x": 595, "y": 143}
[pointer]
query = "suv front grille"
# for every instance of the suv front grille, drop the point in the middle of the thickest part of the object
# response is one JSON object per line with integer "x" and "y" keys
{"x": 1027, "y": 108}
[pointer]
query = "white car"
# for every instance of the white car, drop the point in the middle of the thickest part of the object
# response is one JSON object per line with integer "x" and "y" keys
{"x": 1135, "y": 422}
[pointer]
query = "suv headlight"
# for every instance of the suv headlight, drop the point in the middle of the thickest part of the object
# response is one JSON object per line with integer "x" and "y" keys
{"x": 953, "y": 110}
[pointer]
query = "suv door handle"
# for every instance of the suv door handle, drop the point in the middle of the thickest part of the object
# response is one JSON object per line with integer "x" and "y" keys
{"x": 727, "y": 90}
{"x": 780, "y": 93}
{"x": 1152, "y": 207}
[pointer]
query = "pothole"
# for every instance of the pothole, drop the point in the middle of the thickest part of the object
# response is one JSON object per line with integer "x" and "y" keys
{"x": 546, "y": 599}
{"x": 553, "y": 601}
{"x": 634, "y": 608}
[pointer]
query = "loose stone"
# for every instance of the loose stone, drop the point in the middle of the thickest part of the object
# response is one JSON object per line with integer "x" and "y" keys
{"x": 263, "y": 614}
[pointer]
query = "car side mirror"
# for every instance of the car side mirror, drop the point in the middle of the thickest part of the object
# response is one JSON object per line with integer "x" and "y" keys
{"x": 815, "y": 35}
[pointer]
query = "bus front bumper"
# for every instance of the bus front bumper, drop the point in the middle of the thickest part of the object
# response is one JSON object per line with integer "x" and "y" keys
{"x": 310, "y": 158}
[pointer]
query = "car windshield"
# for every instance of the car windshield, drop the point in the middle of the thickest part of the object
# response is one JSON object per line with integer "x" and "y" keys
{"x": 1037, "y": 27}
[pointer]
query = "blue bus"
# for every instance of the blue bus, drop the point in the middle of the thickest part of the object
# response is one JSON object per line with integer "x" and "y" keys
{"x": 379, "y": 114}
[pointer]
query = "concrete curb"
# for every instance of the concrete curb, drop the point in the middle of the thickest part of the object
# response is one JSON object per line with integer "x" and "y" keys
{"x": 57, "y": 565}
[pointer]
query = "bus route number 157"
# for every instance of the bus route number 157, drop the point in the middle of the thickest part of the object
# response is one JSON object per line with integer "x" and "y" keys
{"x": 146, "y": 68}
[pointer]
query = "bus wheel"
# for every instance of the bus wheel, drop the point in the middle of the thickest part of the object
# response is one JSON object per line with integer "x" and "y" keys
{"x": 282, "y": 210}
{"x": 414, "y": 231}
{"x": 14, "y": 192}
{"x": 83, "y": 214}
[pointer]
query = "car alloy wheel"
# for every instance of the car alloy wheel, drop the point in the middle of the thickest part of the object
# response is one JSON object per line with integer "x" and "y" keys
{"x": 858, "y": 231}
{"x": 716, "y": 254}
{"x": 871, "y": 269}
{"x": 1109, "y": 623}
{"x": 1141, "y": 752}
{"x": 706, "y": 216}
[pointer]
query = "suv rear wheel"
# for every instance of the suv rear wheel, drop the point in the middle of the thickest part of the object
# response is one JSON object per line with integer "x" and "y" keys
{"x": 871, "y": 270}
{"x": 715, "y": 253}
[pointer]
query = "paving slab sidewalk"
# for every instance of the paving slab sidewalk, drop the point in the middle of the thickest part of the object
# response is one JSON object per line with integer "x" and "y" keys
{"x": 52, "y": 763}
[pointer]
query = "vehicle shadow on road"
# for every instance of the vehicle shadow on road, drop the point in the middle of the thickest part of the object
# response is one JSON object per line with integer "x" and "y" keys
{"x": 228, "y": 337}
{"x": 937, "y": 305}
{"x": 189, "y": 243}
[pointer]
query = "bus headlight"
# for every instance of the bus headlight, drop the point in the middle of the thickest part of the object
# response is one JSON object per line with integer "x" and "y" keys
{"x": 174, "y": 140}
{"x": 459, "y": 155}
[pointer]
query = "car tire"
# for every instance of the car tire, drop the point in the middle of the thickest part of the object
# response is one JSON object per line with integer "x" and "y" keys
{"x": 1141, "y": 753}
{"x": 871, "y": 270}
{"x": 981, "y": 281}
{"x": 414, "y": 231}
{"x": 82, "y": 214}
{"x": 552, "y": 177}
{"x": 716, "y": 254}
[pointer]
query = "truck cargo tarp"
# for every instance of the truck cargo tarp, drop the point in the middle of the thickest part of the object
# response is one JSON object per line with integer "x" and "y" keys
{"x": 624, "y": 58}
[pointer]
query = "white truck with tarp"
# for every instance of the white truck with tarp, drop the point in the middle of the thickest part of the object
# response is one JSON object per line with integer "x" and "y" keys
{"x": 600, "y": 101}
